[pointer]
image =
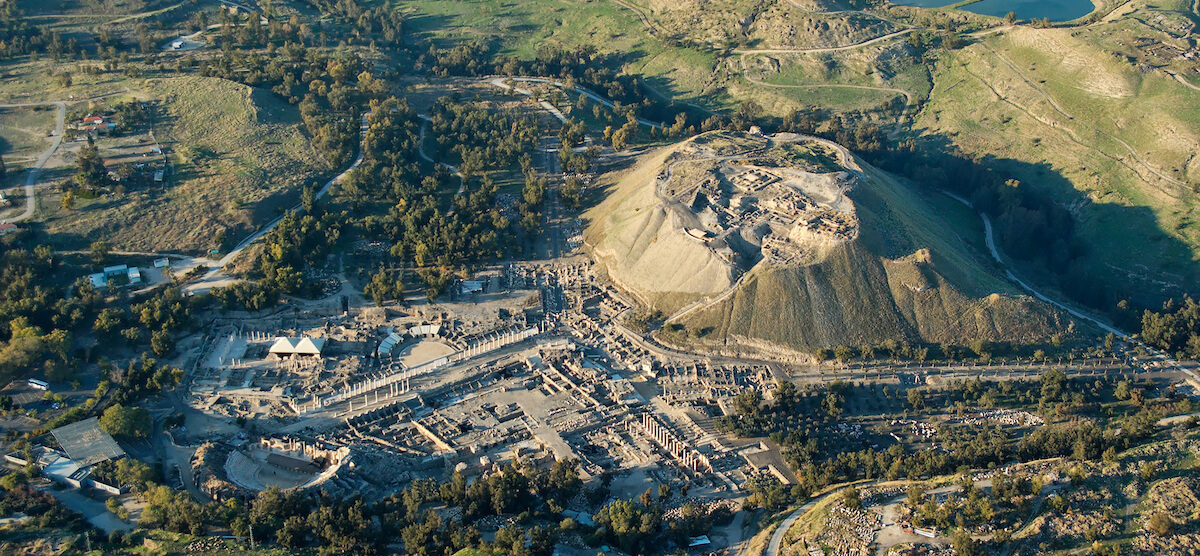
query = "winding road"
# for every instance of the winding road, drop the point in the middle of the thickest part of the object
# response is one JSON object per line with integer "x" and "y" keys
{"x": 991, "y": 244}
{"x": 820, "y": 50}
{"x": 777, "y": 537}
{"x": 31, "y": 179}
{"x": 1181, "y": 78}
{"x": 216, "y": 276}
{"x": 501, "y": 82}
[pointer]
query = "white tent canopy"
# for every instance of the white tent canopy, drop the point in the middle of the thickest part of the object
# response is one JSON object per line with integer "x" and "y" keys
{"x": 298, "y": 346}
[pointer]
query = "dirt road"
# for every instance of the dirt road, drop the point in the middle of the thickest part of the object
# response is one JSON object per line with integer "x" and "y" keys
{"x": 31, "y": 179}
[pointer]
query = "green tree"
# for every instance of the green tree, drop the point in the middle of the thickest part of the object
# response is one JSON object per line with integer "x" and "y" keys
{"x": 851, "y": 499}
{"x": 89, "y": 169}
{"x": 161, "y": 343}
{"x": 1161, "y": 524}
{"x": 572, "y": 192}
{"x": 119, "y": 420}
{"x": 916, "y": 399}
{"x": 100, "y": 251}
{"x": 964, "y": 545}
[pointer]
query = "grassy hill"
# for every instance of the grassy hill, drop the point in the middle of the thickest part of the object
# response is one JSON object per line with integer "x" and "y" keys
{"x": 1104, "y": 135}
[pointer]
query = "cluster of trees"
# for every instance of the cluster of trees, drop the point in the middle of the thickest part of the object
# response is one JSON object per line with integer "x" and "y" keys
{"x": 296, "y": 520}
{"x": 18, "y": 37}
{"x": 386, "y": 284}
{"x": 982, "y": 350}
{"x": 799, "y": 421}
{"x": 166, "y": 312}
{"x": 131, "y": 115}
{"x": 582, "y": 66}
{"x": 126, "y": 472}
{"x": 382, "y": 25}
{"x": 41, "y": 318}
{"x": 90, "y": 173}
{"x": 142, "y": 376}
{"x": 515, "y": 489}
{"x": 18, "y": 497}
{"x": 1175, "y": 329}
{"x": 298, "y": 241}
{"x": 1009, "y": 498}
{"x": 480, "y": 139}
{"x": 438, "y": 242}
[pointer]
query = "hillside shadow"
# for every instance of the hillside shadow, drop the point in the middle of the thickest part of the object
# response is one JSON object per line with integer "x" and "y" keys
{"x": 1083, "y": 276}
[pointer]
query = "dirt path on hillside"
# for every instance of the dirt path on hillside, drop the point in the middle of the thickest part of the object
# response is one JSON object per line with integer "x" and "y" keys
{"x": 31, "y": 179}
{"x": 908, "y": 97}
{"x": 1036, "y": 87}
{"x": 867, "y": 42}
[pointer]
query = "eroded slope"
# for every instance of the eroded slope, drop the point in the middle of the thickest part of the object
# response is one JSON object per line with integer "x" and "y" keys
{"x": 787, "y": 243}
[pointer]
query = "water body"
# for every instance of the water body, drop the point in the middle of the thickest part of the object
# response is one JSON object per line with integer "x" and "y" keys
{"x": 1055, "y": 10}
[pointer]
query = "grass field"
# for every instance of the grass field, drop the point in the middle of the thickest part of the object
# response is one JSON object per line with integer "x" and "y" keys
{"x": 23, "y": 137}
{"x": 1113, "y": 144}
{"x": 238, "y": 158}
{"x": 520, "y": 28}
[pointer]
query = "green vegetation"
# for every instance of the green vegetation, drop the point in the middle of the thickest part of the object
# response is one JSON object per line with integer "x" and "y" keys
{"x": 1059, "y": 128}
{"x": 1087, "y": 418}
{"x": 1176, "y": 329}
{"x": 118, "y": 420}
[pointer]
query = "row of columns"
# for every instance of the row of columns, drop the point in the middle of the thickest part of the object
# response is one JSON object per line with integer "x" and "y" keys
{"x": 679, "y": 449}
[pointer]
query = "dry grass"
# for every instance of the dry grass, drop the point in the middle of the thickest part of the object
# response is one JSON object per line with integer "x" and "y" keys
{"x": 23, "y": 137}
{"x": 239, "y": 159}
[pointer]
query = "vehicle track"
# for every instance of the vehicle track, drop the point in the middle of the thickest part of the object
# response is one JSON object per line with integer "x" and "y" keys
{"x": 868, "y": 42}
{"x": 1060, "y": 110}
{"x": 908, "y": 97}
{"x": 31, "y": 179}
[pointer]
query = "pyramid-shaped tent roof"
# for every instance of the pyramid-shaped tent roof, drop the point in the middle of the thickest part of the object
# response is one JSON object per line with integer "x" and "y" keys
{"x": 298, "y": 346}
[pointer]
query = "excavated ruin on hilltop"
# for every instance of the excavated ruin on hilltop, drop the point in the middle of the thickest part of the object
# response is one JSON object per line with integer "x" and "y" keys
{"x": 780, "y": 244}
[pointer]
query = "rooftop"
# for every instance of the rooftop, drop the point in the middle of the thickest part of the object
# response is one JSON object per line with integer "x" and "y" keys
{"x": 86, "y": 444}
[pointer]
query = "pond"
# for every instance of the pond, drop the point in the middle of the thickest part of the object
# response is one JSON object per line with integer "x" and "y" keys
{"x": 1055, "y": 10}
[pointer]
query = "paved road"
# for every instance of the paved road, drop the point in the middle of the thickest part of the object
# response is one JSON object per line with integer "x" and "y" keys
{"x": 782, "y": 529}
{"x": 92, "y": 510}
{"x": 31, "y": 179}
{"x": 991, "y": 244}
